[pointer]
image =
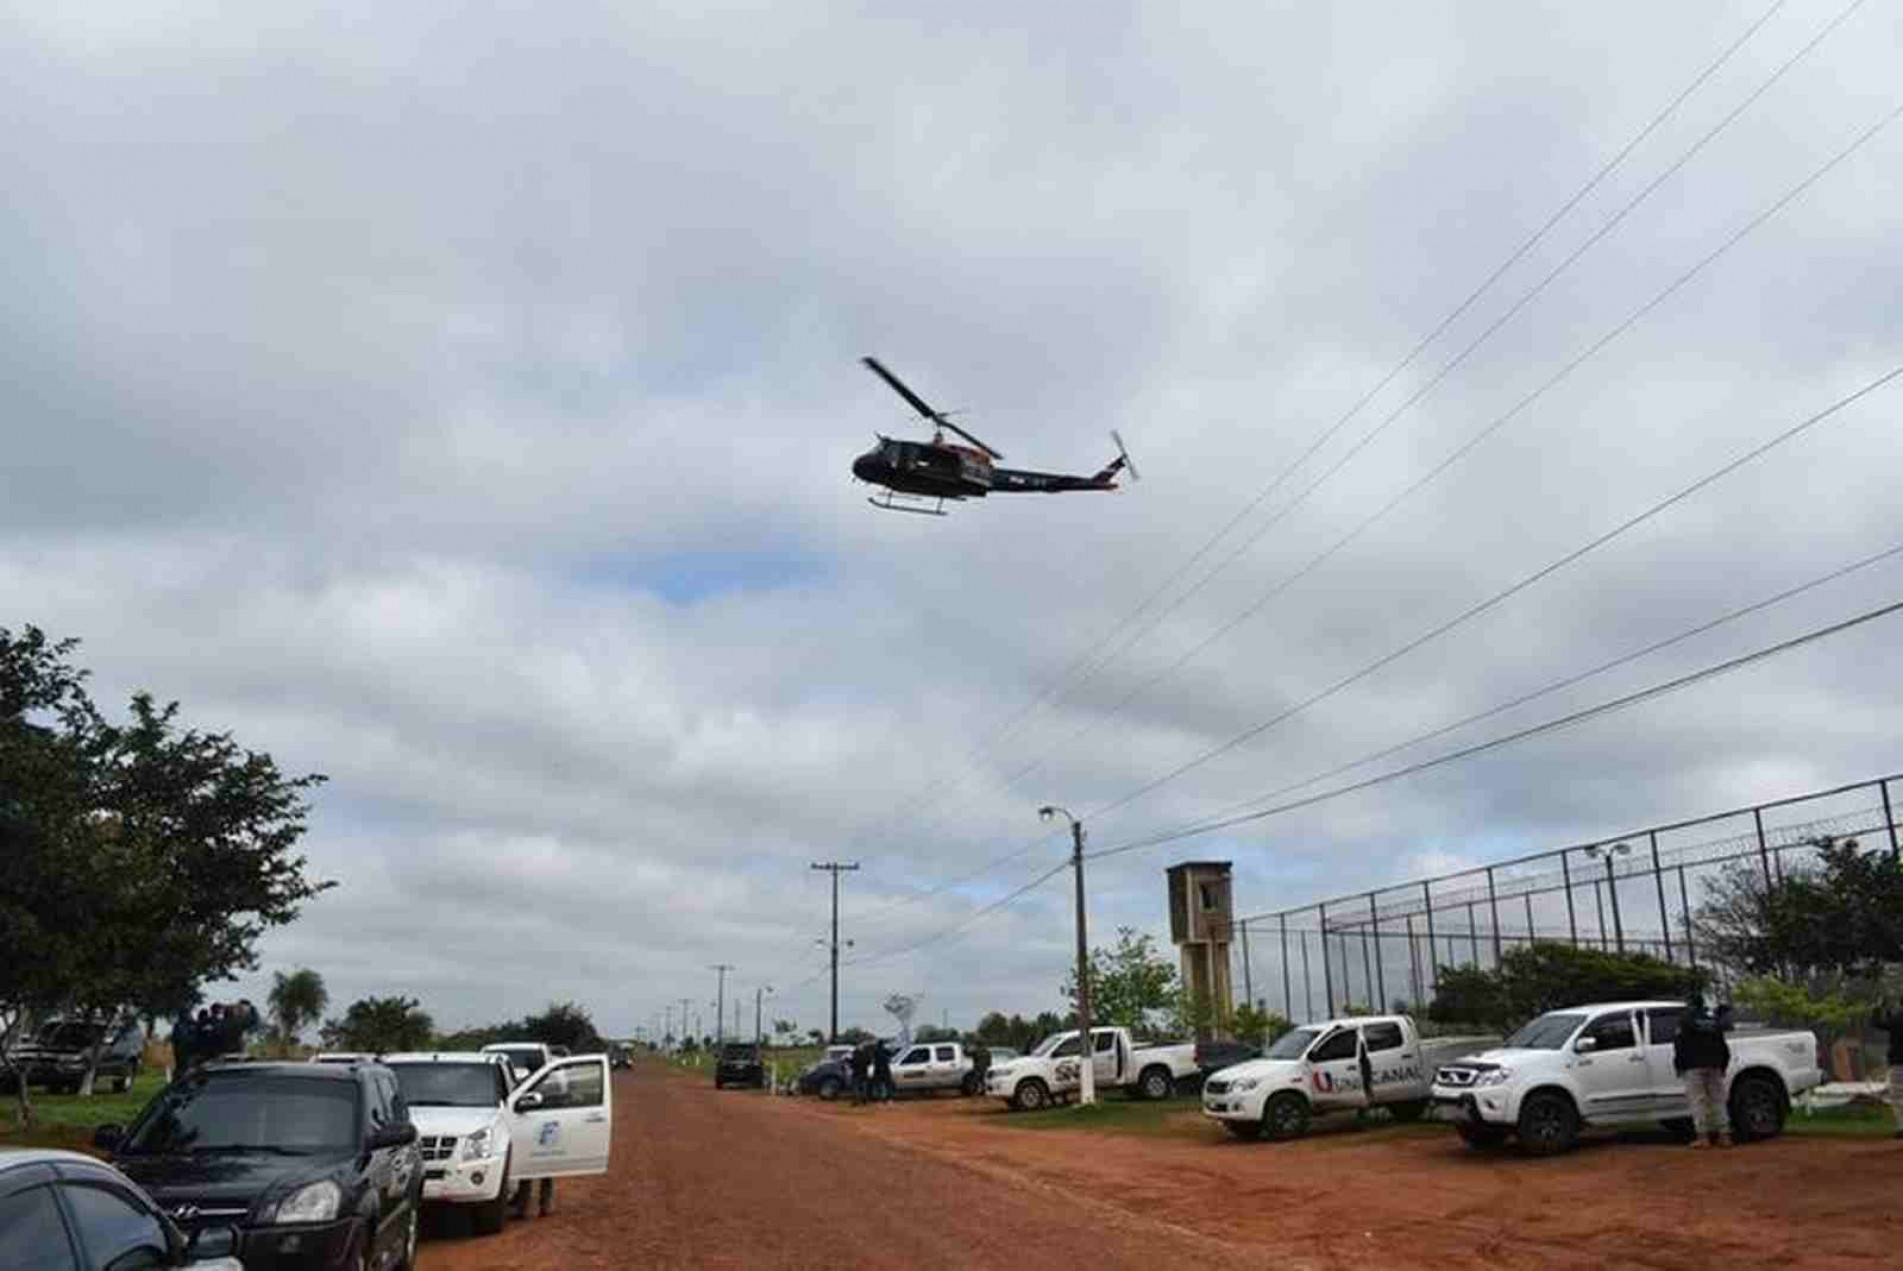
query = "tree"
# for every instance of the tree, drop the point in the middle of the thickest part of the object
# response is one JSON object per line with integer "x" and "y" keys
{"x": 1257, "y": 1026}
{"x": 853, "y": 1036}
{"x": 816, "y": 1035}
{"x": 379, "y": 1025}
{"x": 1537, "y": 978}
{"x": 142, "y": 859}
{"x": 1844, "y": 914}
{"x": 783, "y": 1031}
{"x": 1127, "y": 983}
{"x": 563, "y": 1024}
{"x": 296, "y": 1002}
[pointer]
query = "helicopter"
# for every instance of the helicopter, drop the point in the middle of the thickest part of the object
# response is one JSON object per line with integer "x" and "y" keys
{"x": 917, "y": 472}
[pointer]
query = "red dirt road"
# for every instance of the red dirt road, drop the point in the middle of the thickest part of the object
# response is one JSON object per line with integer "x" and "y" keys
{"x": 735, "y": 1179}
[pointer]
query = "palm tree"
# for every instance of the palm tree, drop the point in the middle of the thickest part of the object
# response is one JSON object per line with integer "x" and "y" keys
{"x": 297, "y": 1001}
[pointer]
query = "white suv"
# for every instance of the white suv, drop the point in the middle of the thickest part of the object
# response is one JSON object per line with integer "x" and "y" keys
{"x": 459, "y": 1102}
{"x": 527, "y": 1058}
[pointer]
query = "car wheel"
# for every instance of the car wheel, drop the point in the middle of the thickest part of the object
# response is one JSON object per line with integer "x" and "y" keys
{"x": 1548, "y": 1124}
{"x": 829, "y": 1089}
{"x": 1411, "y": 1110}
{"x": 1757, "y": 1109}
{"x": 1247, "y": 1131}
{"x": 406, "y": 1261}
{"x": 1156, "y": 1083}
{"x": 1479, "y": 1135}
{"x": 1286, "y": 1116}
{"x": 1030, "y": 1095}
{"x": 491, "y": 1216}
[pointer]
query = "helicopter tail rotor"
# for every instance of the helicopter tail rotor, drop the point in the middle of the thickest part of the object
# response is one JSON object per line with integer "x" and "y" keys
{"x": 1125, "y": 455}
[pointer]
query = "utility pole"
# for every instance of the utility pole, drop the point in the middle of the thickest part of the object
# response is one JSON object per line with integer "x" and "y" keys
{"x": 684, "y": 1002}
{"x": 835, "y": 868}
{"x": 758, "y": 992}
{"x": 1086, "y": 1043}
{"x": 720, "y": 1001}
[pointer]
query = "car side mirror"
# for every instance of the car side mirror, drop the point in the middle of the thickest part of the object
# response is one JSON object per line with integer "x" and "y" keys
{"x": 209, "y": 1244}
{"x": 533, "y": 1099}
{"x": 1586, "y": 1045}
{"x": 393, "y": 1136}
{"x": 109, "y": 1136}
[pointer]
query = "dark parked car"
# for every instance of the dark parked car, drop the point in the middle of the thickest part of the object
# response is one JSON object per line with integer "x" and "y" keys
{"x": 1214, "y": 1056}
{"x": 832, "y": 1076}
{"x": 739, "y": 1065}
{"x": 60, "y": 1211}
{"x": 55, "y": 1057}
{"x": 316, "y": 1166}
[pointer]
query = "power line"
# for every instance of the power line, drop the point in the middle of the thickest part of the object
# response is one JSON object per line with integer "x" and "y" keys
{"x": 1058, "y": 686}
{"x": 1495, "y": 743}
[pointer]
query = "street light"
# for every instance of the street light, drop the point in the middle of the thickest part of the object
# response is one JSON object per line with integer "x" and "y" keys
{"x": 1086, "y": 1048}
{"x": 1617, "y": 849}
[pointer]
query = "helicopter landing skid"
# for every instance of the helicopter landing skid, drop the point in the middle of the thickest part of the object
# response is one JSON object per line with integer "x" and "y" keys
{"x": 890, "y": 503}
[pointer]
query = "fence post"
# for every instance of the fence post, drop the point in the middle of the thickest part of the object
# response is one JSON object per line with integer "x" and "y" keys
{"x": 1889, "y": 817}
{"x": 1764, "y": 853}
{"x": 1493, "y": 906}
{"x": 1528, "y": 898}
{"x": 1328, "y": 963}
{"x": 1414, "y": 966}
{"x": 1379, "y": 989}
{"x": 1566, "y": 873}
{"x": 1308, "y": 980}
{"x": 1685, "y": 899}
{"x": 1473, "y": 934}
{"x": 1427, "y": 898}
{"x": 1288, "y": 1001}
{"x": 1248, "y": 971}
{"x": 1658, "y": 878}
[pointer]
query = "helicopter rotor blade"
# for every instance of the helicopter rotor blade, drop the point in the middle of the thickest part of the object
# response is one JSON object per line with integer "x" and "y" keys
{"x": 939, "y": 418}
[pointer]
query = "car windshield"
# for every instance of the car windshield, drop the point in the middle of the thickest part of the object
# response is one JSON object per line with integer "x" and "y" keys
{"x": 1045, "y": 1047}
{"x": 1292, "y": 1044}
{"x": 239, "y": 1111}
{"x": 737, "y": 1051}
{"x": 1548, "y": 1032}
{"x": 470, "y": 1085}
{"x": 529, "y": 1057}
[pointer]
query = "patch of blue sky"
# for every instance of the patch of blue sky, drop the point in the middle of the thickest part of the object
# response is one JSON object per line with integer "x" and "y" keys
{"x": 690, "y": 578}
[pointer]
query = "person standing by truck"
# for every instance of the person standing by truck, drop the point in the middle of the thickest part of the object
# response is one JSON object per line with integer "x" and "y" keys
{"x": 1701, "y": 1055}
{"x": 1888, "y": 1016}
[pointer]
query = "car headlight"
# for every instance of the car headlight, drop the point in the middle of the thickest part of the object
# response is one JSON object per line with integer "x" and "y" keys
{"x": 1497, "y": 1077}
{"x": 476, "y": 1146}
{"x": 313, "y": 1202}
{"x": 1244, "y": 1083}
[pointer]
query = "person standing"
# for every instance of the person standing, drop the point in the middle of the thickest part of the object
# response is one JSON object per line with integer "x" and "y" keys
{"x": 856, "y": 1069}
{"x": 1701, "y": 1056}
{"x": 184, "y": 1043}
{"x": 1888, "y": 1016}
{"x": 881, "y": 1073}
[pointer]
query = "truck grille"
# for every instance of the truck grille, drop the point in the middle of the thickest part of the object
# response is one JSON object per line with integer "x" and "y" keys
{"x": 437, "y": 1148}
{"x": 1216, "y": 1087}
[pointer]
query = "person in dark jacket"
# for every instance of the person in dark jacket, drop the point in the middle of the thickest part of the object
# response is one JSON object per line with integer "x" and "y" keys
{"x": 1701, "y": 1055}
{"x": 857, "y": 1066}
{"x": 184, "y": 1043}
{"x": 881, "y": 1073}
{"x": 1888, "y": 1016}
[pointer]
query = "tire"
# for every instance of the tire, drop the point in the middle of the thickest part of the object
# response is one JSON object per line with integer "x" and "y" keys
{"x": 1247, "y": 1131}
{"x": 1031, "y": 1095}
{"x": 1285, "y": 1116}
{"x": 1684, "y": 1129}
{"x": 971, "y": 1086}
{"x": 1411, "y": 1110}
{"x": 1479, "y": 1135}
{"x": 1549, "y": 1124}
{"x": 406, "y": 1260}
{"x": 1757, "y": 1109}
{"x": 1156, "y": 1083}
{"x": 492, "y": 1215}
{"x": 829, "y": 1089}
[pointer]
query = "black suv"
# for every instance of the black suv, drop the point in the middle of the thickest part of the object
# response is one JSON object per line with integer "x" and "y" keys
{"x": 315, "y": 1165}
{"x": 739, "y": 1066}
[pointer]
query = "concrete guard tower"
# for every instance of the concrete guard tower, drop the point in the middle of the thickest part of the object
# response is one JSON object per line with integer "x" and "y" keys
{"x": 1202, "y": 915}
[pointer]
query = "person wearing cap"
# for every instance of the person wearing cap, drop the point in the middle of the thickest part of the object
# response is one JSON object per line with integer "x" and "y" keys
{"x": 1701, "y": 1056}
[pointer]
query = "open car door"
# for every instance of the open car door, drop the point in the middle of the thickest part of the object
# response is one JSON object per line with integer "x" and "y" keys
{"x": 562, "y": 1118}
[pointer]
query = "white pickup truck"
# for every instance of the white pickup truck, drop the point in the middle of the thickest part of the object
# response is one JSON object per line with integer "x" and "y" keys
{"x": 1335, "y": 1065}
{"x": 933, "y": 1066}
{"x": 1610, "y": 1063}
{"x": 1051, "y": 1071}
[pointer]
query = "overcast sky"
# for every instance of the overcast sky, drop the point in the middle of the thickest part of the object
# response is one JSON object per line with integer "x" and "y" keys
{"x": 459, "y": 402}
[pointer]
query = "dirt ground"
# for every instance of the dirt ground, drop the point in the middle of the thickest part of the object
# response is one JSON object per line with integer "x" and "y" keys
{"x": 735, "y": 1179}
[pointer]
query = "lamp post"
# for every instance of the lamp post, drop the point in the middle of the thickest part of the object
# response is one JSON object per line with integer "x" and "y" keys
{"x": 1617, "y": 849}
{"x": 1086, "y": 1048}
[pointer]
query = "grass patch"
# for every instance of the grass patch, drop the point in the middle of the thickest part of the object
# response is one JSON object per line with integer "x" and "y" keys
{"x": 1115, "y": 1115}
{"x": 1851, "y": 1121}
{"x": 66, "y": 1120}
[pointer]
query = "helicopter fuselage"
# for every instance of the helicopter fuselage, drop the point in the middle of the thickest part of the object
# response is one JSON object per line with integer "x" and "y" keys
{"x": 940, "y": 471}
